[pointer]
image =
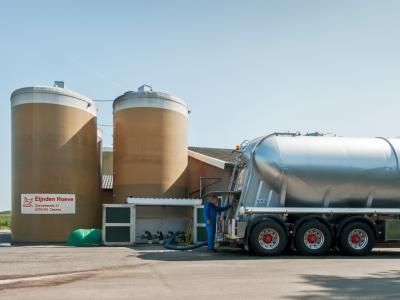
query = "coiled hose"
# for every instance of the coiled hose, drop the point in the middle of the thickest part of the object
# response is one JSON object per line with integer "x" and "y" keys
{"x": 169, "y": 244}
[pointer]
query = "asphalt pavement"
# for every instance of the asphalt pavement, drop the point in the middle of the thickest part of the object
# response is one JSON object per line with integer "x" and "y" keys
{"x": 151, "y": 272}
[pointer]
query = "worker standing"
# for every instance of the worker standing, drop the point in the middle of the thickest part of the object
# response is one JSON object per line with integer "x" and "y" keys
{"x": 211, "y": 209}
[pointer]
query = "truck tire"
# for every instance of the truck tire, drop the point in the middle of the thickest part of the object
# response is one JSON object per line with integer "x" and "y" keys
{"x": 357, "y": 238}
{"x": 313, "y": 238}
{"x": 268, "y": 238}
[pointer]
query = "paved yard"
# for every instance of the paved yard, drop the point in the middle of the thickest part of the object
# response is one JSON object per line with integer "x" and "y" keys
{"x": 59, "y": 272}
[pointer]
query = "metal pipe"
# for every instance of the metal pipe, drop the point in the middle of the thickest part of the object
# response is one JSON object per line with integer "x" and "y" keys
{"x": 317, "y": 210}
{"x": 218, "y": 179}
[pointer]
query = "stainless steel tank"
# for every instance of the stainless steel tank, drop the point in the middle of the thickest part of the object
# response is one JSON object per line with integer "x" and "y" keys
{"x": 54, "y": 164}
{"x": 329, "y": 171}
{"x": 150, "y": 145}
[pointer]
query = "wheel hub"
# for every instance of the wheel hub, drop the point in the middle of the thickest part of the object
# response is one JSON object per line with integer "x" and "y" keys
{"x": 355, "y": 238}
{"x": 312, "y": 238}
{"x": 358, "y": 239}
{"x": 268, "y": 238}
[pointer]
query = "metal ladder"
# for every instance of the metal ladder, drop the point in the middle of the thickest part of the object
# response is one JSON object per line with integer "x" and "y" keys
{"x": 232, "y": 181}
{"x": 236, "y": 165}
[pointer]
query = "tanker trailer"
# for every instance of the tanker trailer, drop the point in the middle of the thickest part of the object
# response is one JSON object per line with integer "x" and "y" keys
{"x": 313, "y": 194}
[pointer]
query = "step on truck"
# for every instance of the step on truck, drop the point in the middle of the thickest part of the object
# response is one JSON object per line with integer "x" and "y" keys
{"x": 313, "y": 194}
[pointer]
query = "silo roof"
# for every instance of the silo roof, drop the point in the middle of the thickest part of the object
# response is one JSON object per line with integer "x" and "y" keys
{"x": 150, "y": 99}
{"x": 52, "y": 95}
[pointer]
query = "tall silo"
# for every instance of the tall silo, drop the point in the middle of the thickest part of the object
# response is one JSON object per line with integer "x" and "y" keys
{"x": 150, "y": 145}
{"x": 54, "y": 164}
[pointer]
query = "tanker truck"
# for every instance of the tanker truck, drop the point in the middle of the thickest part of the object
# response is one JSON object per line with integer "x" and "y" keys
{"x": 313, "y": 194}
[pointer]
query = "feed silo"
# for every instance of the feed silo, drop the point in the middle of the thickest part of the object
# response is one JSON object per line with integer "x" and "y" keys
{"x": 54, "y": 164}
{"x": 150, "y": 145}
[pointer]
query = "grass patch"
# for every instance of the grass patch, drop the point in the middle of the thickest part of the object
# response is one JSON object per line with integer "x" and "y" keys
{"x": 5, "y": 220}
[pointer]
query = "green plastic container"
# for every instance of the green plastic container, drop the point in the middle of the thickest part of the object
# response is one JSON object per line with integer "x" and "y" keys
{"x": 85, "y": 238}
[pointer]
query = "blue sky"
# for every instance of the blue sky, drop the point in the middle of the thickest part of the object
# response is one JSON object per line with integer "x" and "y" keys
{"x": 245, "y": 68}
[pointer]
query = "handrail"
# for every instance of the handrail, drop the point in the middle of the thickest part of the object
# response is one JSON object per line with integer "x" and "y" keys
{"x": 317, "y": 210}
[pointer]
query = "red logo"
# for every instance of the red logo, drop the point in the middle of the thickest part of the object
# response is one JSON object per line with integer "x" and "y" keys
{"x": 28, "y": 202}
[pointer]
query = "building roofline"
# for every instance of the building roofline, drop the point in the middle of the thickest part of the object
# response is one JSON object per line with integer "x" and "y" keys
{"x": 208, "y": 159}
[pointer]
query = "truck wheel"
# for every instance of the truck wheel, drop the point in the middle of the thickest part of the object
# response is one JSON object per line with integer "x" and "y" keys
{"x": 268, "y": 238}
{"x": 357, "y": 238}
{"x": 313, "y": 238}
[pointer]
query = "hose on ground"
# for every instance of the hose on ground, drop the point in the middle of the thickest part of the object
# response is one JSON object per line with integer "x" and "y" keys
{"x": 170, "y": 245}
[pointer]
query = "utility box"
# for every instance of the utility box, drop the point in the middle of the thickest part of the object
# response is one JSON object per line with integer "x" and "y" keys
{"x": 126, "y": 224}
{"x": 118, "y": 224}
{"x": 392, "y": 230}
{"x": 163, "y": 215}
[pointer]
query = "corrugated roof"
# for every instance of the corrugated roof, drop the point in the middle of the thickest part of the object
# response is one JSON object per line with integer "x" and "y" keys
{"x": 223, "y": 154}
{"x": 107, "y": 183}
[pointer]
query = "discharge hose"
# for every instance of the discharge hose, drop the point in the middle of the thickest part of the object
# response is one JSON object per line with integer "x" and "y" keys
{"x": 169, "y": 244}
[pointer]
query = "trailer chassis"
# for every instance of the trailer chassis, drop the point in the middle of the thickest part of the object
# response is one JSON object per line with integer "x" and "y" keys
{"x": 315, "y": 230}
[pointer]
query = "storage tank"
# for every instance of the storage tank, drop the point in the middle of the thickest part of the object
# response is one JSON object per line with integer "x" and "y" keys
{"x": 54, "y": 164}
{"x": 330, "y": 171}
{"x": 150, "y": 145}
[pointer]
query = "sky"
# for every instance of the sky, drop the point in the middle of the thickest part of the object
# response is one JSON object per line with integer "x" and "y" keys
{"x": 245, "y": 68}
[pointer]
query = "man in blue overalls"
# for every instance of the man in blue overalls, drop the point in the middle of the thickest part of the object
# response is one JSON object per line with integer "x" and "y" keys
{"x": 211, "y": 209}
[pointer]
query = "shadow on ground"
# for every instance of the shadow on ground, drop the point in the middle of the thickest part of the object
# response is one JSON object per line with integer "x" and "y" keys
{"x": 201, "y": 254}
{"x": 383, "y": 285}
{"x": 158, "y": 253}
